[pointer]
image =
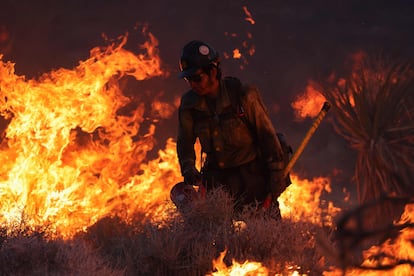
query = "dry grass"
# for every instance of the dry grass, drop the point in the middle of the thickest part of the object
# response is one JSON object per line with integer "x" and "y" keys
{"x": 26, "y": 252}
{"x": 185, "y": 244}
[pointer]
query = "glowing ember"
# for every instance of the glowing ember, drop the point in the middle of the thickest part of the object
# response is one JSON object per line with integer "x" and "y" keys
{"x": 68, "y": 158}
{"x": 249, "y": 17}
{"x": 236, "y": 53}
{"x": 244, "y": 46}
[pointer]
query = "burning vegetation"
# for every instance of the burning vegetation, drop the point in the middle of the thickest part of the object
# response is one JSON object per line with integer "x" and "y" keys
{"x": 375, "y": 114}
{"x": 79, "y": 194}
{"x": 374, "y": 110}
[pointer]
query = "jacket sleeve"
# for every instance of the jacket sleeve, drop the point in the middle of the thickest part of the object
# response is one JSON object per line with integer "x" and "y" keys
{"x": 185, "y": 139}
{"x": 267, "y": 140}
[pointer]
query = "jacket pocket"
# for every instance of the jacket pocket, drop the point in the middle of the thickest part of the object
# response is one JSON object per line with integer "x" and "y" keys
{"x": 235, "y": 132}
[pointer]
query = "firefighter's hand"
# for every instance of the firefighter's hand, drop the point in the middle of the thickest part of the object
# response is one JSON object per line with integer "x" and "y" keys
{"x": 277, "y": 182}
{"x": 192, "y": 177}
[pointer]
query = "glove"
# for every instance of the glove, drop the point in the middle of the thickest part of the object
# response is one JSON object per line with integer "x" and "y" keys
{"x": 192, "y": 176}
{"x": 278, "y": 182}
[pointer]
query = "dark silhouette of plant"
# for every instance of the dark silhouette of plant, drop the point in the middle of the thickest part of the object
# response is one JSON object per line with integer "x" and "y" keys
{"x": 374, "y": 109}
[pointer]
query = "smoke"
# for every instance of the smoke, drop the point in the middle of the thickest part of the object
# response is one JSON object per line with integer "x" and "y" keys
{"x": 293, "y": 42}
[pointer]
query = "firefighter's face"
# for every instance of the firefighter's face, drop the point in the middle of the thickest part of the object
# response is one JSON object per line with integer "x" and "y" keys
{"x": 204, "y": 83}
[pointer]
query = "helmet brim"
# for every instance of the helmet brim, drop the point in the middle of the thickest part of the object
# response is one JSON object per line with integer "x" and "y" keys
{"x": 187, "y": 73}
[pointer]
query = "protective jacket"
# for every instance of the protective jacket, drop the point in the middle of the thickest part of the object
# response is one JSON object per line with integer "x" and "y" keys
{"x": 226, "y": 139}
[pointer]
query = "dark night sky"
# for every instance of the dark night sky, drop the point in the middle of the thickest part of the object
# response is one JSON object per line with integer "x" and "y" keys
{"x": 294, "y": 40}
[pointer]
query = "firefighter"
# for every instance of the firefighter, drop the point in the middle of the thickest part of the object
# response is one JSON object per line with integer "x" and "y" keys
{"x": 243, "y": 152}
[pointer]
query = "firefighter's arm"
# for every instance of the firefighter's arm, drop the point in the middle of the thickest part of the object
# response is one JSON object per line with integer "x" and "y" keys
{"x": 185, "y": 140}
{"x": 185, "y": 148}
{"x": 267, "y": 140}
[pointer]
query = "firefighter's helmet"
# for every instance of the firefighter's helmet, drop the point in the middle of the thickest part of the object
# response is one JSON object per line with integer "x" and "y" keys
{"x": 196, "y": 55}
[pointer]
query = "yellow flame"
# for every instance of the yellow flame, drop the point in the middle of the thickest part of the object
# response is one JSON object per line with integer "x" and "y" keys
{"x": 246, "y": 268}
{"x": 301, "y": 201}
{"x": 68, "y": 158}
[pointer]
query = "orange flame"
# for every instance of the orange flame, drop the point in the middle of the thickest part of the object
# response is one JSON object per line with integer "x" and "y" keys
{"x": 400, "y": 248}
{"x": 247, "y": 268}
{"x": 301, "y": 201}
{"x": 309, "y": 103}
{"x": 68, "y": 158}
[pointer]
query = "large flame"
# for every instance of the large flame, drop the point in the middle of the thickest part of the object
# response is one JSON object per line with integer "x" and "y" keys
{"x": 68, "y": 158}
{"x": 302, "y": 201}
